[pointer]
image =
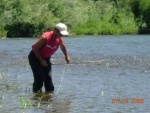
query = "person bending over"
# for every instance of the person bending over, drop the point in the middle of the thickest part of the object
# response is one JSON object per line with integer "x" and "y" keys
{"x": 39, "y": 56}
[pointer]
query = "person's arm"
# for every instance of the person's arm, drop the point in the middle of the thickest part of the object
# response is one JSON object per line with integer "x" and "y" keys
{"x": 64, "y": 50}
{"x": 41, "y": 41}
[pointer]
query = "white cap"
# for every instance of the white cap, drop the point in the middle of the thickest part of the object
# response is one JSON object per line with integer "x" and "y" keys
{"x": 62, "y": 28}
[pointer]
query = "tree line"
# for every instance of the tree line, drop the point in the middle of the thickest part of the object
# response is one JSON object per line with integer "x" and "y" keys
{"x": 29, "y": 18}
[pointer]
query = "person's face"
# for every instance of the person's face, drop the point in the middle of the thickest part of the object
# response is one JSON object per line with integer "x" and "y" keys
{"x": 58, "y": 34}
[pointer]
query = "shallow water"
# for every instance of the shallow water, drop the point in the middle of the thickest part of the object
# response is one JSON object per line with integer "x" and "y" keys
{"x": 105, "y": 75}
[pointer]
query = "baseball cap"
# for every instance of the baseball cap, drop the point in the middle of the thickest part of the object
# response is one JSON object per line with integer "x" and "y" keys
{"x": 62, "y": 28}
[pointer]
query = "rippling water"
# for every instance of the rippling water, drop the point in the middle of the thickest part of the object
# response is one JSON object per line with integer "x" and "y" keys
{"x": 105, "y": 75}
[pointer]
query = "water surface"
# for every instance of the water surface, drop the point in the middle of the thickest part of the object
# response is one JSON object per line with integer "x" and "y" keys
{"x": 102, "y": 68}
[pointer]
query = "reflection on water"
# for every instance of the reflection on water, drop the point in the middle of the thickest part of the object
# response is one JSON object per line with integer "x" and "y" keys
{"x": 102, "y": 69}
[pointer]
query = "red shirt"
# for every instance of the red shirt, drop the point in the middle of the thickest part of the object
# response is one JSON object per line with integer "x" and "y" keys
{"x": 50, "y": 47}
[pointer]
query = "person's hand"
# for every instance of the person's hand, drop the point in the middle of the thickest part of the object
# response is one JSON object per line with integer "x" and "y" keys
{"x": 43, "y": 63}
{"x": 67, "y": 59}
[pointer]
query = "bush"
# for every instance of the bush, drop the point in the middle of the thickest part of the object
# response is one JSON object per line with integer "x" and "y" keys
{"x": 29, "y": 18}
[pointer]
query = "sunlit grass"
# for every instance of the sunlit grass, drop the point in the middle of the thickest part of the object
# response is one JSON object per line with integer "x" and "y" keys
{"x": 1, "y": 105}
{"x": 25, "y": 103}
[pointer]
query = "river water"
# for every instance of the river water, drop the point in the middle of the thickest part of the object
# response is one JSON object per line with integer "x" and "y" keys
{"x": 107, "y": 74}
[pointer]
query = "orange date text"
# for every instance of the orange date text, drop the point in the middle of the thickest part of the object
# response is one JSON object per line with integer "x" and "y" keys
{"x": 128, "y": 101}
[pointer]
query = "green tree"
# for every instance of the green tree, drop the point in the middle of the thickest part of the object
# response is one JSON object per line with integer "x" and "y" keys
{"x": 29, "y": 18}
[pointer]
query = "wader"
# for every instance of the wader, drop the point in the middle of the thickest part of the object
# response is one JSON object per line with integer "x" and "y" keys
{"x": 41, "y": 74}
